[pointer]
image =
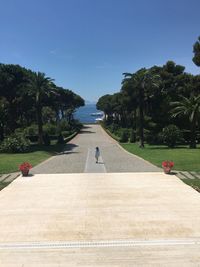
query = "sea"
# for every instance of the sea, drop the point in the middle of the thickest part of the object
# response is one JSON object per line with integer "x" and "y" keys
{"x": 83, "y": 114}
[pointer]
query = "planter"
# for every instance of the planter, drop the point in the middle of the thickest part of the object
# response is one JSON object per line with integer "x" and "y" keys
{"x": 167, "y": 170}
{"x": 25, "y": 172}
{"x": 167, "y": 166}
{"x": 24, "y": 168}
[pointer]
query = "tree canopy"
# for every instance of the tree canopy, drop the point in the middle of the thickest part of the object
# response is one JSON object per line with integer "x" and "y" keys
{"x": 196, "y": 50}
{"x": 143, "y": 103}
{"x": 25, "y": 96}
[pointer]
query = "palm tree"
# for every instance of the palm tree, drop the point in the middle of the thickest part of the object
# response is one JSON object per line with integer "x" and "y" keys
{"x": 40, "y": 85}
{"x": 140, "y": 82}
{"x": 189, "y": 107}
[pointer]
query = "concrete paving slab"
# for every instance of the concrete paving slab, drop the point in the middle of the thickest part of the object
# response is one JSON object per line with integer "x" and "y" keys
{"x": 75, "y": 157}
{"x": 67, "y": 207}
{"x": 91, "y": 166}
{"x": 170, "y": 256}
{"x": 108, "y": 207}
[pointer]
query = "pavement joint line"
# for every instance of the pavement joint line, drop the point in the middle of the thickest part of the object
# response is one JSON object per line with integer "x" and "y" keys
{"x": 87, "y": 160}
{"x": 194, "y": 175}
{"x": 103, "y": 165}
{"x": 98, "y": 244}
{"x": 88, "y": 166}
{"x": 183, "y": 174}
{"x": 6, "y": 176}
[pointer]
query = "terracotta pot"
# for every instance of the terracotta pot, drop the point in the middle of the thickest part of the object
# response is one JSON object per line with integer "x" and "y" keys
{"x": 25, "y": 172}
{"x": 167, "y": 169}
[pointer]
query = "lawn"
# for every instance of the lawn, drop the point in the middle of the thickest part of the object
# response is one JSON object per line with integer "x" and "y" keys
{"x": 10, "y": 162}
{"x": 185, "y": 159}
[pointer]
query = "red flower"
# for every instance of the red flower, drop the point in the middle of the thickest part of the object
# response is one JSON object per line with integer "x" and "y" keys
{"x": 25, "y": 166}
{"x": 168, "y": 164}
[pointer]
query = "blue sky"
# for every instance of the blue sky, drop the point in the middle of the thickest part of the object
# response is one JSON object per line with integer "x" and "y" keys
{"x": 86, "y": 45}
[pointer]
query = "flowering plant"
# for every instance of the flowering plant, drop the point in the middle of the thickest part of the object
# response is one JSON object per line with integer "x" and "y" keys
{"x": 167, "y": 164}
{"x": 25, "y": 166}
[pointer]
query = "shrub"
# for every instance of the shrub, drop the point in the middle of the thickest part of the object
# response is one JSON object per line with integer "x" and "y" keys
{"x": 49, "y": 128}
{"x": 15, "y": 143}
{"x": 132, "y": 136}
{"x": 66, "y": 133}
{"x": 31, "y": 130}
{"x": 124, "y": 136}
{"x": 154, "y": 138}
{"x": 76, "y": 125}
{"x": 19, "y": 131}
{"x": 186, "y": 135}
{"x": 53, "y": 137}
{"x": 63, "y": 125}
{"x": 114, "y": 127}
{"x": 32, "y": 138}
{"x": 46, "y": 139}
{"x": 60, "y": 139}
{"x": 171, "y": 134}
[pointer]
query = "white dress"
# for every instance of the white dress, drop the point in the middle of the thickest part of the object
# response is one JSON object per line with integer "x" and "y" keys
{"x": 97, "y": 154}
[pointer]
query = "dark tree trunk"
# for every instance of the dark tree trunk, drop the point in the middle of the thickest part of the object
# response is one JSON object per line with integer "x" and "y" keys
{"x": 62, "y": 114}
{"x": 135, "y": 119}
{"x": 39, "y": 121}
{"x": 123, "y": 119}
{"x": 57, "y": 116}
{"x": 141, "y": 116}
{"x": 12, "y": 125}
{"x": 193, "y": 135}
{"x": 1, "y": 132}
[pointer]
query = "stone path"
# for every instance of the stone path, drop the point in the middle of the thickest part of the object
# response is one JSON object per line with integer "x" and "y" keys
{"x": 78, "y": 156}
{"x": 99, "y": 219}
{"x": 73, "y": 213}
{"x": 145, "y": 256}
{"x": 91, "y": 166}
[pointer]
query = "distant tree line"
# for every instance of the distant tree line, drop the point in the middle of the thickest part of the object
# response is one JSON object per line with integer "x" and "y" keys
{"x": 30, "y": 99}
{"x": 156, "y": 102}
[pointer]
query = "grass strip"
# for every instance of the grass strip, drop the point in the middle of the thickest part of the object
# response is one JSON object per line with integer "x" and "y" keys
{"x": 9, "y": 162}
{"x": 185, "y": 159}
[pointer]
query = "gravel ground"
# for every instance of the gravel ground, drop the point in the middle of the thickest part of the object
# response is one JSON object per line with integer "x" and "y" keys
{"x": 78, "y": 156}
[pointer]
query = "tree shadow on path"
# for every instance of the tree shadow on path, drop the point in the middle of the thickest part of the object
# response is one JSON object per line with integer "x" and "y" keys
{"x": 86, "y": 132}
{"x": 68, "y": 149}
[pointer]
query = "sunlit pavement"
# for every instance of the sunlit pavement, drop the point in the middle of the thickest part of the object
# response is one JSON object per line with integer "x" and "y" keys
{"x": 78, "y": 156}
{"x": 155, "y": 215}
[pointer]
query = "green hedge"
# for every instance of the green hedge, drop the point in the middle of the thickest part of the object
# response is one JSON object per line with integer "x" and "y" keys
{"x": 15, "y": 143}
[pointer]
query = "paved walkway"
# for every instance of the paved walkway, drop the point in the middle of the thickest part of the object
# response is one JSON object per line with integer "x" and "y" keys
{"x": 86, "y": 217}
{"x": 78, "y": 156}
{"x": 105, "y": 219}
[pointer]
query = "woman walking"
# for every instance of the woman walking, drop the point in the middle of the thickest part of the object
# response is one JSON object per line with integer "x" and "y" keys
{"x": 97, "y": 154}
